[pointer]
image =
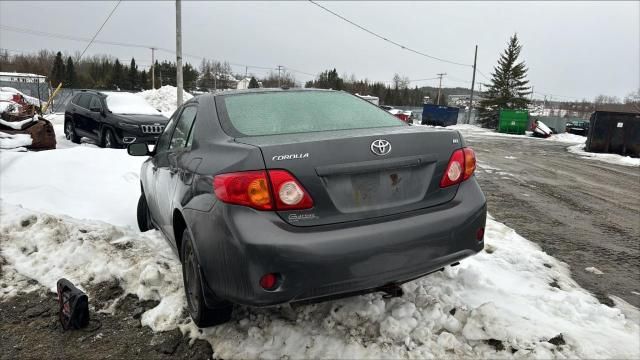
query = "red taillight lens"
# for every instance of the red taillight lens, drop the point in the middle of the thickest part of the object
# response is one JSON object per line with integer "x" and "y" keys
{"x": 269, "y": 281}
{"x": 289, "y": 194}
{"x": 252, "y": 188}
{"x": 461, "y": 166}
{"x": 248, "y": 188}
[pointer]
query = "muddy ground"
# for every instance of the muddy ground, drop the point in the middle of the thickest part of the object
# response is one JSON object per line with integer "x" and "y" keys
{"x": 30, "y": 329}
{"x": 583, "y": 212}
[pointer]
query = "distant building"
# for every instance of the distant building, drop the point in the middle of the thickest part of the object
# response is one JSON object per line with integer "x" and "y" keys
{"x": 243, "y": 84}
{"x": 22, "y": 77}
{"x": 372, "y": 99}
{"x": 29, "y": 84}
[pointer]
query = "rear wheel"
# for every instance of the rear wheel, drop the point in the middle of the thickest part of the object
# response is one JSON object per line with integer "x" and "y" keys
{"x": 144, "y": 216}
{"x": 202, "y": 315}
{"x": 70, "y": 132}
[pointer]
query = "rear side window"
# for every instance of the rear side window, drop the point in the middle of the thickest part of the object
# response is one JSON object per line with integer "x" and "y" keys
{"x": 287, "y": 112}
{"x": 84, "y": 100}
{"x": 95, "y": 103}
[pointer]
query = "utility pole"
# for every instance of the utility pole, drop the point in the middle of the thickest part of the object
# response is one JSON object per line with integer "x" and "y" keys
{"x": 440, "y": 87}
{"x": 280, "y": 67}
{"x": 473, "y": 83}
{"x": 246, "y": 70}
{"x": 179, "y": 50}
{"x": 153, "y": 68}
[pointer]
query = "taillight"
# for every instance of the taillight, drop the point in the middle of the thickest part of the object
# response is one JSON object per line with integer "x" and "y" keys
{"x": 248, "y": 188}
{"x": 461, "y": 166}
{"x": 253, "y": 189}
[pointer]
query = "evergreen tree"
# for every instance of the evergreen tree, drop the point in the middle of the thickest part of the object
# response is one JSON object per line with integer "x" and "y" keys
{"x": 253, "y": 83}
{"x": 508, "y": 89}
{"x": 70, "y": 74}
{"x": 143, "y": 80}
{"x": 116, "y": 76}
{"x": 57, "y": 72}
{"x": 132, "y": 80}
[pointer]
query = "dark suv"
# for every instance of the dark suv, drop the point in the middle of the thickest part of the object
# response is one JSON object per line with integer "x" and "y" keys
{"x": 112, "y": 119}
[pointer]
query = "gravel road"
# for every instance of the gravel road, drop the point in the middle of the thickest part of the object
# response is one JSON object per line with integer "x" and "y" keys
{"x": 583, "y": 212}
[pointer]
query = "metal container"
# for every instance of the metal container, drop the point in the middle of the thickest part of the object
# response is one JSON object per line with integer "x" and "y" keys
{"x": 614, "y": 132}
{"x": 513, "y": 121}
{"x": 439, "y": 115}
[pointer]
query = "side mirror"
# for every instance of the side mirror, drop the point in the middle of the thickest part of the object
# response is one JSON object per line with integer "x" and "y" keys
{"x": 138, "y": 149}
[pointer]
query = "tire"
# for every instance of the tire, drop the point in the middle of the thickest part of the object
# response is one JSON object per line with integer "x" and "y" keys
{"x": 202, "y": 315}
{"x": 144, "y": 216}
{"x": 109, "y": 140}
{"x": 70, "y": 132}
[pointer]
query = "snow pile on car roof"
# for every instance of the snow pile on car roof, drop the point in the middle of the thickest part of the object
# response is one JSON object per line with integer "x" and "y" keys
{"x": 510, "y": 301}
{"x": 164, "y": 98}
{"x": 129, "y": 103}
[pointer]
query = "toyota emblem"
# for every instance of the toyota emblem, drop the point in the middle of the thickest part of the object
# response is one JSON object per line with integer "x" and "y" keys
{"x": 380, "y": 147}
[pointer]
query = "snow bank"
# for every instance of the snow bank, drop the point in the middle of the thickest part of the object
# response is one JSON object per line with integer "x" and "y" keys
{"x": 608, "y": 158}
{"x": 512, "y": 294}
{"x": 83, "y": 182}
{"x": 164, "y": 98}
{"x": 568, "y": 138}
{"x": 13, "y": 141}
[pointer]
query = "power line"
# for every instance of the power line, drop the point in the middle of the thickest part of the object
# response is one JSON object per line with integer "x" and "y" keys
{"x": 483, "y": 75}
{"x": 100, "y": 29}
{"x": 386, "y": 39}
{"x": 67, "y": 37}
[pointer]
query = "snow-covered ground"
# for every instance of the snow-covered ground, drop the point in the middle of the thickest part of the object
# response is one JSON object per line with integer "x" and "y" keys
{"x": 578, "y": 149}
{"x": 472, "y": 131}
{"x": 71, "y": 212}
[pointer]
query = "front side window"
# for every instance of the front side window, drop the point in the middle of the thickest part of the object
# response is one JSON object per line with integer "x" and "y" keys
{"x": 165, "y": 137}
{"x": 183, "y": 127}
{"x": 286, "y": 112}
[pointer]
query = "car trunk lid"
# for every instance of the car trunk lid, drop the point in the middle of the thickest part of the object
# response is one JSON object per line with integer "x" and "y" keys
{"x": 349, "y": 181}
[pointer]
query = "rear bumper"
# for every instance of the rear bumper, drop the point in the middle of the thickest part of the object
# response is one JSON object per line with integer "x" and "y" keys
{"x": 237, "y": 245}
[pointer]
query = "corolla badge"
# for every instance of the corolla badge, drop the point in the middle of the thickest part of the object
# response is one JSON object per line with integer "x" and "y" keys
{"x": 380, "y": 147}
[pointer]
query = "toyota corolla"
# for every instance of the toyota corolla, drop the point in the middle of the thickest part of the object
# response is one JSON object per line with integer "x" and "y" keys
{"x": 281, "y": 196}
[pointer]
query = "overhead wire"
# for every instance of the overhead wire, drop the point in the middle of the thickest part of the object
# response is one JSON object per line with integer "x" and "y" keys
{"x": 100, "y": 29}
{"x": 404, "y": 47}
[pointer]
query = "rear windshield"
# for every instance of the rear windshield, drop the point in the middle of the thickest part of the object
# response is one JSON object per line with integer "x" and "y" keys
{"x": 273, "y": 113}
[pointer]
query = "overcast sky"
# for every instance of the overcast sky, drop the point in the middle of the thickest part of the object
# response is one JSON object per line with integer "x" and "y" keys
{"x": 575, "y": 49}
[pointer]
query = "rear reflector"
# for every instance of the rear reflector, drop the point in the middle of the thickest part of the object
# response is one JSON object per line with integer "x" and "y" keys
{"x": 253, "y": 189}
{"x": 480, "y": 234}
{"x": 461, "y": 166}
{"x": 269, "y": 281}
